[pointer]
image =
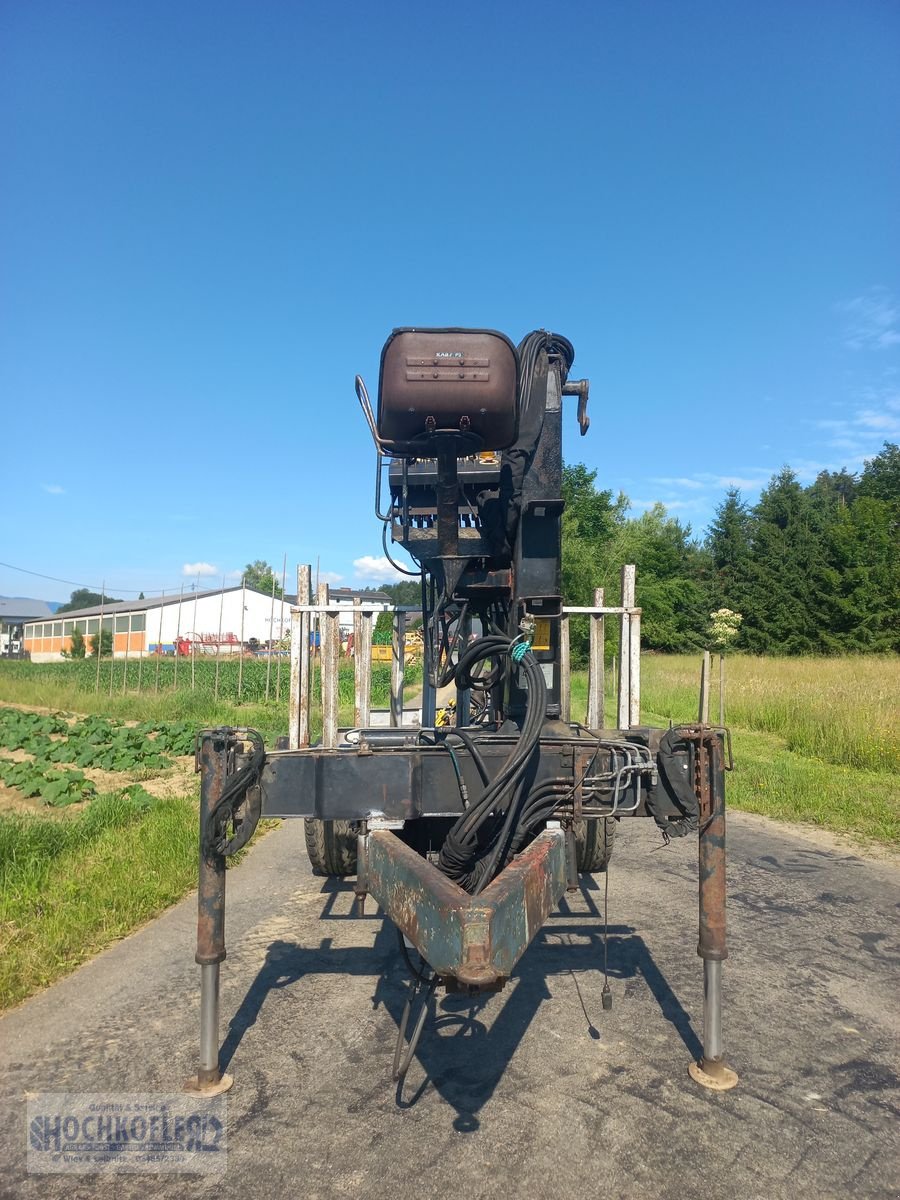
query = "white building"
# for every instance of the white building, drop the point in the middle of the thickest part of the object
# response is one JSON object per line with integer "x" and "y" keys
{"x": 226, "y": 619}
{"x": 348, "y": 598}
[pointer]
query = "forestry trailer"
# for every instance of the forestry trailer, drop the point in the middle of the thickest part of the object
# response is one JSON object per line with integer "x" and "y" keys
{"x": 467, "y": 835}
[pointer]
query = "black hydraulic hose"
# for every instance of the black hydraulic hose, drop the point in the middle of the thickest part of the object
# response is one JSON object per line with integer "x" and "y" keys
{"x": 531, "y": 728}
{"x": 215, "y": 836}
{"x": 470, "y": 853}
{"x": 460, "y": 782}
{"x": 502, "y": 842}
{"x": 474, "y": 753}
{"x": 510, "y": 834}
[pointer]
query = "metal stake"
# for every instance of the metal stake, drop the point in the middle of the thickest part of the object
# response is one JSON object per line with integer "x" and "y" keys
{"x": 596, "y": 717}
{"x": 398, "y": 664}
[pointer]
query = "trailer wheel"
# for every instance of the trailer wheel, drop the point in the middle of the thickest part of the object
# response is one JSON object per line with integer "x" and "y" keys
{"x": 331, "y": 846}
{"x": 594, "y": 841}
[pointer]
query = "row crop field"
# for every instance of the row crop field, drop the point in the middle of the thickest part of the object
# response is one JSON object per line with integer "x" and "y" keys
{"x": 252, "y": 681}
{"x": 91, "y": 742}
{"x": 98, "y": 823}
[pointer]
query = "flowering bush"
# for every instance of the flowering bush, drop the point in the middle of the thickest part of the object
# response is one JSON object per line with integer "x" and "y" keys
{"x": 724, "y": 625}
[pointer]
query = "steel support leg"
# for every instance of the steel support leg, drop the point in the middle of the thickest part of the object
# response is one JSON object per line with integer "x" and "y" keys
{"x": 209, "y": 1080}
{"x": 711, "y": 1071}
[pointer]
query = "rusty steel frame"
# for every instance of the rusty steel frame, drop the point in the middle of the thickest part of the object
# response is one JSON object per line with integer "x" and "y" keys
{"x": 473, "y": 940}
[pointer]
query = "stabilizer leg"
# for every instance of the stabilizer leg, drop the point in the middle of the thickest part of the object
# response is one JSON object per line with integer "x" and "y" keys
{"x": 711, "y": 1071}
{"x": 213, "y": 761}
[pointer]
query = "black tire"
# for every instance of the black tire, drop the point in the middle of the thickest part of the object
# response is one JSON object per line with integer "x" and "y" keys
{"x": 331, "y": 846}
{"x": 594, "y": 840}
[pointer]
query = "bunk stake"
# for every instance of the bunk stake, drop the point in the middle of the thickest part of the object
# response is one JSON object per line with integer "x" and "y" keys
{"x": 213, "y": 762}
{"x": 711, "y": 1071}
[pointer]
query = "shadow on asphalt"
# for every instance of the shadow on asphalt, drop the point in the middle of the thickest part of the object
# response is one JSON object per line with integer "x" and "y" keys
{"x": 464, "y": 1049}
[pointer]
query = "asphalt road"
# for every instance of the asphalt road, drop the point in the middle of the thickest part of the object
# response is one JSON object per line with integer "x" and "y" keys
{"x": 536, "y": 1091}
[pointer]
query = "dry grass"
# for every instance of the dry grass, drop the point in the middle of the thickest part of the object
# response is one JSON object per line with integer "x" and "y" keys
{"x": 816, "y": 739}
{"x": 841, "y": 710}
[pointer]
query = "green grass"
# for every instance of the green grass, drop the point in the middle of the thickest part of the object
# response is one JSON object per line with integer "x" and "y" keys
{"x": 815, "y": 740}
{"x": 842, "y": 710}
{"x": 71, "y": 686}
{"x": 70, "y": 886}
{"x": 777, "y": 782}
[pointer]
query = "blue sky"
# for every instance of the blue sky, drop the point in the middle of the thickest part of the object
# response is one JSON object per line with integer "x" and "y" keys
{"x": 212, "y": 215}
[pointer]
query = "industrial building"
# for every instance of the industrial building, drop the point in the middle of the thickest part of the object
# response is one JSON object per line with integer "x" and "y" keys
{"x": 15, "y": 612}
{"x": 221, "y": 620}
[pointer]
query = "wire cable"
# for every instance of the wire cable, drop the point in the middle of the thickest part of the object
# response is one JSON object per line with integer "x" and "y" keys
{"x": 104, "y": 588}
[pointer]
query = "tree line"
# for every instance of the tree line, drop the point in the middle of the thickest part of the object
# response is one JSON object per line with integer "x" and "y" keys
{"x": 811, "y": 570}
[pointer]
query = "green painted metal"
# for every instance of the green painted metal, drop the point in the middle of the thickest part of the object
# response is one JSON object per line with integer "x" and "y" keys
{"x": 476, "y": 940}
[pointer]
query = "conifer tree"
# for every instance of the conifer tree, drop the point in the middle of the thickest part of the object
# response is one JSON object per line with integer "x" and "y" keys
{"x": 729, "y": 545}
{"x": 785, "y": 609}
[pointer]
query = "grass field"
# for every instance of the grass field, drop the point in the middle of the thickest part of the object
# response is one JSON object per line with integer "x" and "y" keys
{"x": 73, "y": 880}
{"x": 815, "y": 740}
{"x": 71, "y": 885}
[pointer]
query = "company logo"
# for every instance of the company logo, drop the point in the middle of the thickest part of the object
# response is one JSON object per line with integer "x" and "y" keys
{"x": 134, "y": 1133}
{"x": 449, "y": 354}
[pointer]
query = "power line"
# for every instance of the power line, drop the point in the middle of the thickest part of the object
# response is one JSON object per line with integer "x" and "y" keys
{"x": 102, "y": 590}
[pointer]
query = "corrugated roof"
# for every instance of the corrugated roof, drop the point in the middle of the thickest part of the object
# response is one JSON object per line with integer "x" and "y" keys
{"x": 14, "y": 609}
{"x": 128, "y": 606}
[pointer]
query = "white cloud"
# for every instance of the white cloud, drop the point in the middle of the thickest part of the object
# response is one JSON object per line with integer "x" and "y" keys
{"x": 872, "y": 320}
{"x": 750, "y": 479}
{"x": 874, "y": 419}
{"x": 806, "y": 469}
{"x": 53, "y": 488}
{"x": 679, "y": 482}
{"x": 330, "y": 577}
{"x": 744, "y": 482}
{"x": 669, "y": 505}
{"x": 199, "y": 568}
{"x": 376, "y": 569}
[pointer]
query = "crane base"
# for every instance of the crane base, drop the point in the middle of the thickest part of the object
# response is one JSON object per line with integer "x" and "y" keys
{"x": 713, "y": 1075}
{"x": 215, "y": 1087}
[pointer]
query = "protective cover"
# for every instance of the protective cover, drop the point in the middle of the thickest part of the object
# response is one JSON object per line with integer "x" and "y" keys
{"x": 438, "y": 380}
